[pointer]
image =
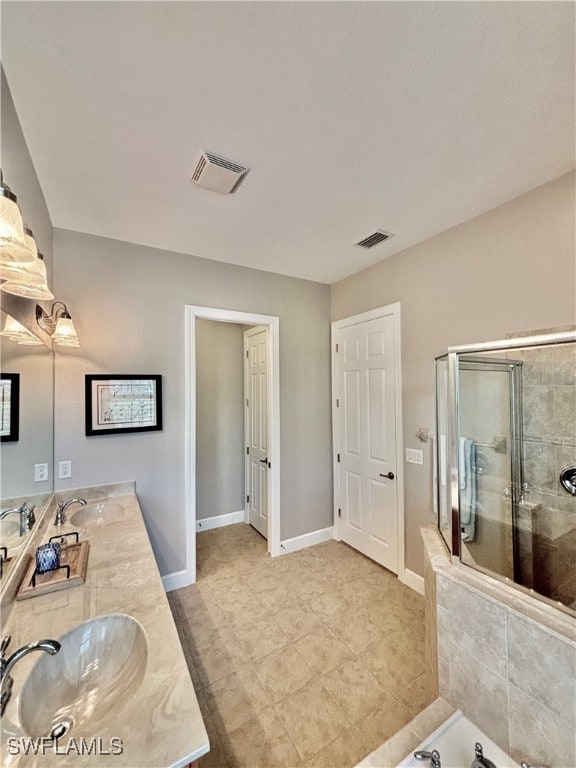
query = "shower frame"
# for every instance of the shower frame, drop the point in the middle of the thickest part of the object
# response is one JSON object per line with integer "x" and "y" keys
{"x": 453, "y": 354}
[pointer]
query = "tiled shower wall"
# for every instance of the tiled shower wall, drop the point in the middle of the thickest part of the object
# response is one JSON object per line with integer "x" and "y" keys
{"x": 510, "y": 673}
{"x": 549, "y": 423}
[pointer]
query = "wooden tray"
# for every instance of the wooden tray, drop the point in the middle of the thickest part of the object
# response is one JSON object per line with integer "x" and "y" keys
{"x": 74, "y": 555}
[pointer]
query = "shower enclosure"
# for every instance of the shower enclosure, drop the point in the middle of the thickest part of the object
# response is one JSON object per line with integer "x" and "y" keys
{"x": 506, "y": 474}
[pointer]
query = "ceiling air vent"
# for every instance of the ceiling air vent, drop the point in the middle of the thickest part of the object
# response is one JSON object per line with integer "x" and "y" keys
{"x": 217, "y": 173}
{"x": 376, "y": 237}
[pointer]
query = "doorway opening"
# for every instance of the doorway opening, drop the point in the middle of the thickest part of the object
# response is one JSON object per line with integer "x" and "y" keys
{"x": 268, "y": 480}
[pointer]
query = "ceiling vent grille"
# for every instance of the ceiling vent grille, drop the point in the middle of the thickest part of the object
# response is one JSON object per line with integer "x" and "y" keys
{"x": 217, "y": 173}
{"x": 374, "y": 239}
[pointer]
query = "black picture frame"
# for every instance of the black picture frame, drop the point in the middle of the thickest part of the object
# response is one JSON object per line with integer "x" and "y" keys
{"x": 117, "y": 403}
{"x": 9, "y": 407}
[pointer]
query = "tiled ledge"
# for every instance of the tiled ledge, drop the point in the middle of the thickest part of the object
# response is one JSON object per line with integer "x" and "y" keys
{"x": 516, "y": 601}
{"x": 505, "y": 659}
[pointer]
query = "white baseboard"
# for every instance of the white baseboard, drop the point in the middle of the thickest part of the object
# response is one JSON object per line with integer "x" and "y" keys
{"x": 219, "y": 521}
{"x": 412, "y": 580}
{"x": 307, "y": 540}
{"x": 176, "y": 580}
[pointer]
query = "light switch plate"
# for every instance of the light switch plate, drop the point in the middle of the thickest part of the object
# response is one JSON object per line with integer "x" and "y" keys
{"x": 414, "y": 456}
{"x": 64, "y": 469}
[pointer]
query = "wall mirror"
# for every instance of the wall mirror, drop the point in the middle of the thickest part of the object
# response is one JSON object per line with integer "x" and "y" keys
{"x": 32, "y": 367}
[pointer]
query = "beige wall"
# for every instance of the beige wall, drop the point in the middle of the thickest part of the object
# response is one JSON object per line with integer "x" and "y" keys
{"x": 511, "y": 269}
{"x": 128, "y": 304}
{"x": 219, "y": 418}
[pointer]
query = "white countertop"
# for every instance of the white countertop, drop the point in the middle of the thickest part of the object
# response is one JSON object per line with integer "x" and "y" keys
{"x": 161, "y": 725}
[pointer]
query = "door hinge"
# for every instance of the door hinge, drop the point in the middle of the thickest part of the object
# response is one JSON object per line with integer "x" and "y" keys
{"x": 337, "y": 403}
{"x": 247, "y": 353}
{"x": 247, "y": 451}
{"x": 336, "y": 347}
{"x": 338, "y": 455}
{"x": 339, "y": 513}
{"x": 246, "y": 402}
{"x": 247, "y": 499}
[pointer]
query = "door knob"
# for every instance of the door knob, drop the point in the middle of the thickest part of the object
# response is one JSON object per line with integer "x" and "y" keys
{"x": 389, "y": 475}
{"x": 263, "y": 461}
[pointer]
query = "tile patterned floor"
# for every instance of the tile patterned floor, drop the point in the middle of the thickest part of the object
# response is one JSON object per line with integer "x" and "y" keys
{"x": 310, "y": 659}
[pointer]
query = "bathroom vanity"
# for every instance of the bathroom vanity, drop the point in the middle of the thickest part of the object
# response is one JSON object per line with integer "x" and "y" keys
{"x": 140, "y": 708}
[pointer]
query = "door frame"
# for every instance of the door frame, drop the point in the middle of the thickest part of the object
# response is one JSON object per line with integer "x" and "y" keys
{"x": 392, "y": 310}
{"x": 243, "y": 318}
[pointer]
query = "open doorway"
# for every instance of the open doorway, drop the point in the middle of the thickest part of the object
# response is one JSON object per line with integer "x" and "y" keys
{"x": 269, "y": 477}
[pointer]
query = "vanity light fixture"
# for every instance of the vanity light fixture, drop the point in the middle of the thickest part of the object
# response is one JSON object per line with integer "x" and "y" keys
{"x": 16, "y": 332}
{"x": 13, "y": 246}
{"x": 58, "y": 324}
{"x": 27, "y": 280}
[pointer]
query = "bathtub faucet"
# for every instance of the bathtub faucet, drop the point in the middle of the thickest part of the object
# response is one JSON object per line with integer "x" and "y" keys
{"x": 480, "y": 761}
{"x": 433, "y": 756}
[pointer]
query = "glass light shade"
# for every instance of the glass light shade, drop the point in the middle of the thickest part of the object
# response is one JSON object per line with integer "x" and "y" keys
{"x": 30, "y": 273}
{"x": 27, "y": 291}
{"x": 12, "y": 328}
{"x": 29, "y": 341}
{"x": 13, "y": 247}
{"x": 65, "y": 334}
{"x": 16, "y": 332}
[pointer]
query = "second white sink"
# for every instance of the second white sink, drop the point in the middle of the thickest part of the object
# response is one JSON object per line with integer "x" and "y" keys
{"x": 98, "y": 514}
{"x": 84, "y": 686}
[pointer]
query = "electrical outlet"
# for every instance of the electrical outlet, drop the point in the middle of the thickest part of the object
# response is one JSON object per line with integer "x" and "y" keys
{"x": 40, "y": 473}
{"x": 64, "y": 469}
{"x": 414, "y": 456}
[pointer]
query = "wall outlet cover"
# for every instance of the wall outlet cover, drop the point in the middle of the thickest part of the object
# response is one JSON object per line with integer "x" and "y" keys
{"x": 40, "y": 473}
{"x": 64, "y": 469}
{"x": 414, "y": 456}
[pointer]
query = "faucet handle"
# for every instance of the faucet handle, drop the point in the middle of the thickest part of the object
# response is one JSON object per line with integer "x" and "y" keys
{"x": 4, "y": 645}
{"x": 433, "y": 756}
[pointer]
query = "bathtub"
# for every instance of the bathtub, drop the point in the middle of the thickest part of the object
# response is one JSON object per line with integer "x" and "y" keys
{"x": 455, "y": 740}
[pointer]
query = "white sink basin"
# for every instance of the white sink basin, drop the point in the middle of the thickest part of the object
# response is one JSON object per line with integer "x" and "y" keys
{"x": 100, "y": 666}
{"x": 10, "y": 535}
{"x": 98, "y": 514}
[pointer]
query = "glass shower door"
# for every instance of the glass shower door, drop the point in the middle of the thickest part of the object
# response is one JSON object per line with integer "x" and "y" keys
{"x": 489, "y": 462}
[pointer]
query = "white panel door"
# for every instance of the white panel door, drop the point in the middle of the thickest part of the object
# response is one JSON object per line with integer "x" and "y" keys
{"x": 366, "y": 439}
{"x": 256, "y": 391}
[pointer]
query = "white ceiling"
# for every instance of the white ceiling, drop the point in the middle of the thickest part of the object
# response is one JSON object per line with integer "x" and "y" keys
{"x": 406, "y": 116}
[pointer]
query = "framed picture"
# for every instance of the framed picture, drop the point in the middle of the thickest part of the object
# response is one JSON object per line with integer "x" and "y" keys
{"x": 123, "y": 403}
{"x": 9, "y": 407}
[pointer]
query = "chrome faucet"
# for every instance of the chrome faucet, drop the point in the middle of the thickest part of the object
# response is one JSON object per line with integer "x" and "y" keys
{"x": 433, "y": 756}
{"x": 479, "y": 760}
{"x": 6, "y": 681}
{"x": 27, "y": 517}
{"x": 62, "y": 507}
